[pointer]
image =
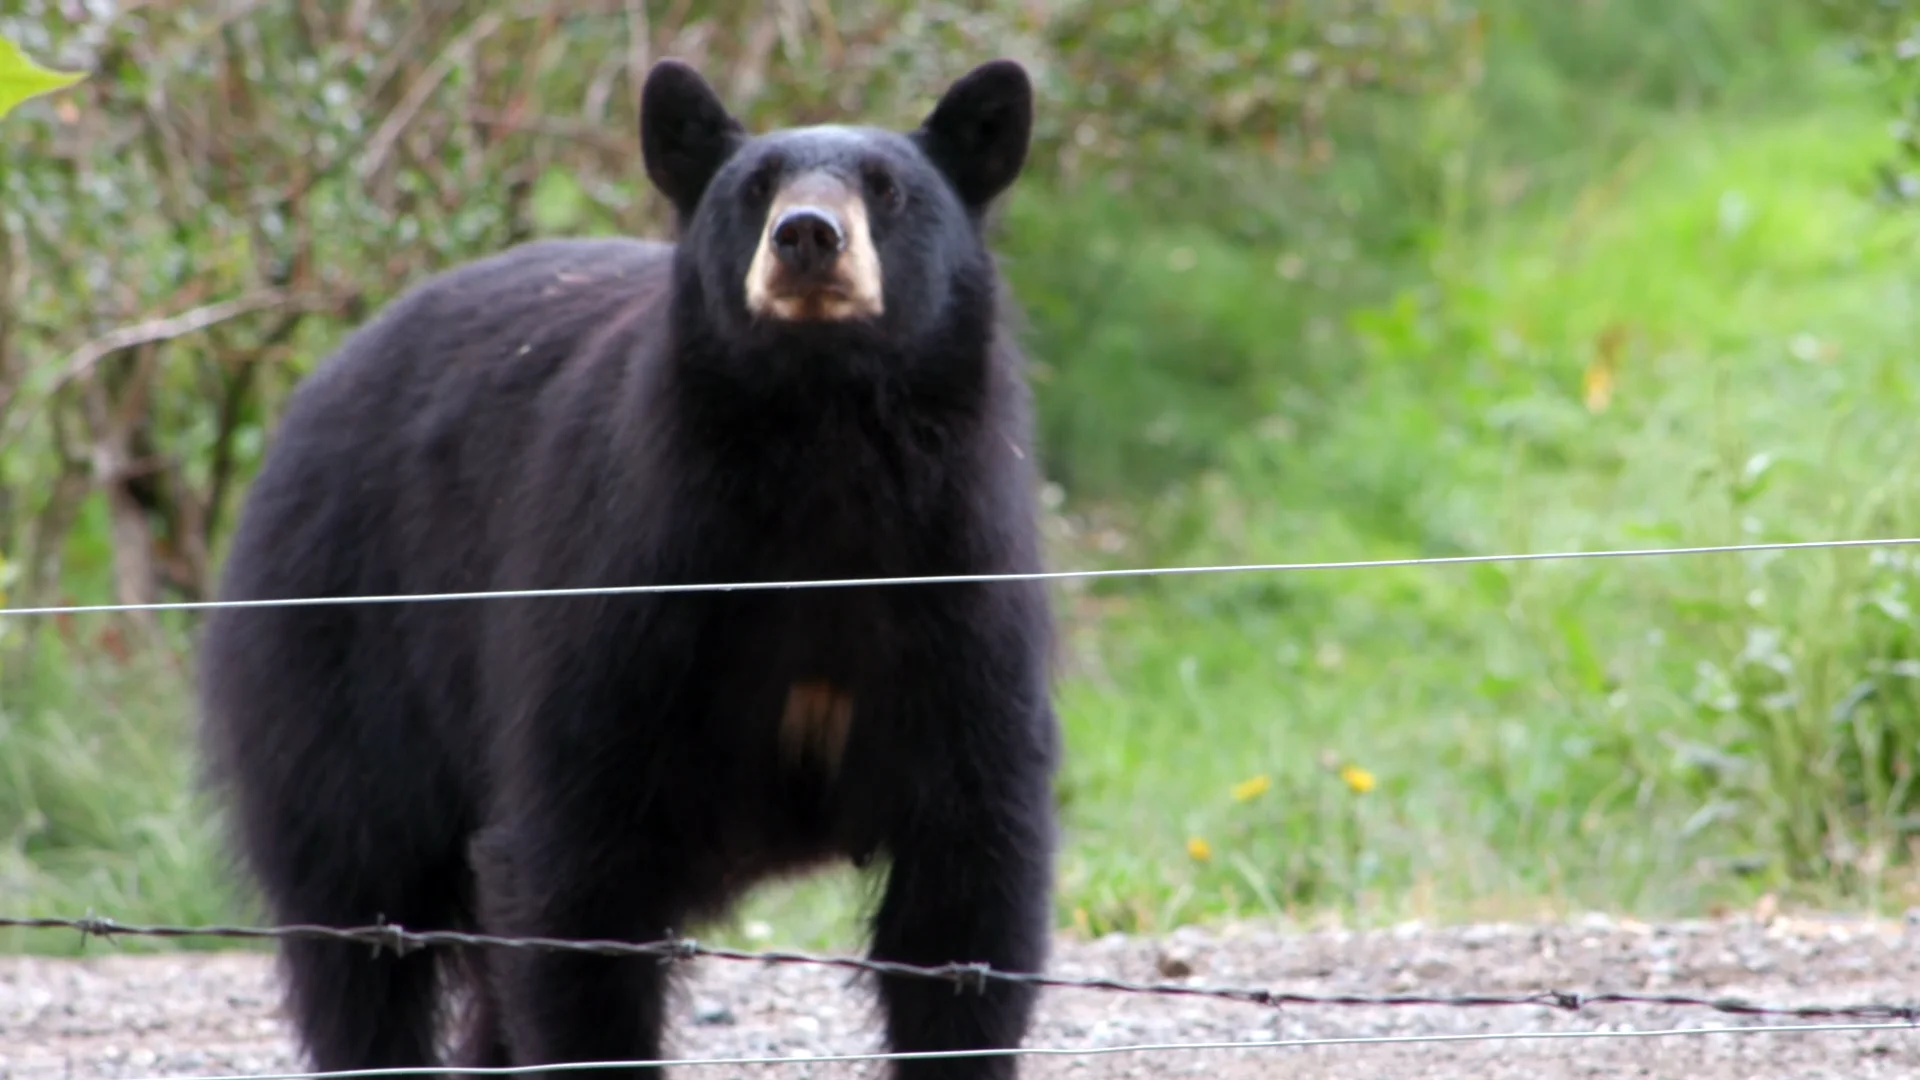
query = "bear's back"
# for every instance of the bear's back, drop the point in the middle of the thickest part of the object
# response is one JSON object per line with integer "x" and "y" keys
{"x": 394, "y": 450}
{"x": 503, "y": 321}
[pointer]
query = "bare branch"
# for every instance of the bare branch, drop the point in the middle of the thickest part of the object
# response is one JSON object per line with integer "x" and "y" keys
{"x": 82, "y": 361}
{"x": 57, "y": 514}
{"x": 403, "y": 114}
{"x": 639, "y": 44}
{"x": 112, "y": 423}
{"x": 235, "y": 386}
{"x": 554, "y": 126}
{"x": 152, "y": 331}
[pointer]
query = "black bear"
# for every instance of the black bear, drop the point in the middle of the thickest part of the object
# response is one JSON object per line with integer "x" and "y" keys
{"x": 818, "y": 380}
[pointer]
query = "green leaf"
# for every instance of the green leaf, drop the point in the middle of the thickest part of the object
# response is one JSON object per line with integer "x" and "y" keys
{"x": 557, "y": 202}
{"x": 21, "y": 78}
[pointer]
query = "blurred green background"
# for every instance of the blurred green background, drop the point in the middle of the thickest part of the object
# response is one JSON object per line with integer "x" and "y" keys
{"x": 1318, "y": 280}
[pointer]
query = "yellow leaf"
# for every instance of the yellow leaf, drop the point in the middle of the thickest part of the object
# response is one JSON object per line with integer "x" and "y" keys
{"x": 21, "y": 78}
{"x": 1199, "y": 849}
{"x": 1251, "y": 787}
{"x": 1357, "y": 778}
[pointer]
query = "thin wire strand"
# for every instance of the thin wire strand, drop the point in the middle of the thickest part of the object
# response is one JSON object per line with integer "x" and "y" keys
{"x": 958, "y": 579}
{"x": 971, "y": 976}
{"x": 1064, "y": 1051}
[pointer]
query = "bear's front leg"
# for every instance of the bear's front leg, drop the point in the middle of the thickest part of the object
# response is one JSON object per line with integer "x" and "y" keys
{"x": 975, "y": 887}
{"x": 971, "y": 881}
{"x": 542, "y": 879}
{"x": 579, "y": 840}
{"x": 576, "y": 848}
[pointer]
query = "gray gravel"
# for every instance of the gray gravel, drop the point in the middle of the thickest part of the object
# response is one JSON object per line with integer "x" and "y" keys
{"x": 185, "y": 1014}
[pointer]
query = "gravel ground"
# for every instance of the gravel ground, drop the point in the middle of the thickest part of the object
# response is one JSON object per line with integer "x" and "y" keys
{"x": 178, "y": 1015}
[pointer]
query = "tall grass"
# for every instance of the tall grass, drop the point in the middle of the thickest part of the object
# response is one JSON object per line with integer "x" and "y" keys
{"x": 99, "y": 810}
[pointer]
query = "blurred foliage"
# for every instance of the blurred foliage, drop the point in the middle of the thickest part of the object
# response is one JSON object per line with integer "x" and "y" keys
{"x": 1884, "y": 38}
{"x": 189, "y": 231}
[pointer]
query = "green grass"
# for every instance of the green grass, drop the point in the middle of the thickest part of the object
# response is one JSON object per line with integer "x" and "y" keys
{"x": 1547, "y": 733}
{"x": 98, "y": 809}
{"x": 1695, "y": 331}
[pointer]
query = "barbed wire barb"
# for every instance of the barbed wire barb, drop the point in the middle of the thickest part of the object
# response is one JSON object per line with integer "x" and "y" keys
{"x": 972, "y": 977}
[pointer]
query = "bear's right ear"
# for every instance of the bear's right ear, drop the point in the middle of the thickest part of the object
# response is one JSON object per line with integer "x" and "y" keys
{"x": 686, "y": 134}
{"x": 978, "y": 132}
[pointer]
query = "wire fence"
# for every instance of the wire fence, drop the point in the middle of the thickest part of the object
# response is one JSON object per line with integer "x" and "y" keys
{"x": 1828, "y": 1018}
{"x": 966, "y": 977}
{"x": 965, "y": 579}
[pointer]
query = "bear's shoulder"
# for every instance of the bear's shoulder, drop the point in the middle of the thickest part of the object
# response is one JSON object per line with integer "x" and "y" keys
{"x": 545, "y": 274}
{"x": 545, "y": 297}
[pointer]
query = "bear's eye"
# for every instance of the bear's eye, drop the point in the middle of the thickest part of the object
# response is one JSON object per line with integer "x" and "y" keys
{"x": 881, "y": 188}
{"x": 760, "y": 185}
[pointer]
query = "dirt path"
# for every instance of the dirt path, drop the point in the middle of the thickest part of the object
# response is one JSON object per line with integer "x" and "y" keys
{"x": 216, "y": 1014}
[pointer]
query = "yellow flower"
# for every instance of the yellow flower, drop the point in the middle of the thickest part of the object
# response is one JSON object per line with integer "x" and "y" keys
{"x": 1357, "y": 778}
{"x": 1250, "y": 787}
{"x": 1199, "y": 849}
{"x": 1596, "y": 387}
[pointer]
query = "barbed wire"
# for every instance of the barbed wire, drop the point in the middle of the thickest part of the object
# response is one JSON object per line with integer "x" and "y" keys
{"x": 1055, "y": 1051}
{"x": 956, "y": 579}
{"x": 964, "y": 976}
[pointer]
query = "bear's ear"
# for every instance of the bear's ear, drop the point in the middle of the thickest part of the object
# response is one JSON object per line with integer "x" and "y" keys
{"x": 686, "y": 134}
{"x": 978, "y": 133}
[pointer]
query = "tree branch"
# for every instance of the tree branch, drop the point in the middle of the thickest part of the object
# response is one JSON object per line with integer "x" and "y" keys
{"x": 82, "y": 360}
{"x": 403, "y": 114}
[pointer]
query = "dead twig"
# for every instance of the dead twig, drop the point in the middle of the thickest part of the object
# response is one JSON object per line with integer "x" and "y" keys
{"x": 552, "y": 127}
{"x": 112, "y": 422}
{"x": 403, "y": 114}
{"x": 83, "y": 359}
{"x": 639, "y": 44}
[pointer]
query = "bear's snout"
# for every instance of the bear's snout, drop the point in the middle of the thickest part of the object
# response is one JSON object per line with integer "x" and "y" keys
{"x": 808, "y": 240}
{"x": 816, "y": 260}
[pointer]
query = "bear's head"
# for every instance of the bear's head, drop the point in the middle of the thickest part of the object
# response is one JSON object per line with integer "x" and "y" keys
{"x": 836, "y": 235}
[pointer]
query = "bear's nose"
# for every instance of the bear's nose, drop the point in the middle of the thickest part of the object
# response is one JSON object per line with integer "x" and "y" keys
{"x": 807, "y": 240}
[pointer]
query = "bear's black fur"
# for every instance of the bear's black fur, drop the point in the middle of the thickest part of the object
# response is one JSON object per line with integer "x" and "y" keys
{"x": 606, "y": 412}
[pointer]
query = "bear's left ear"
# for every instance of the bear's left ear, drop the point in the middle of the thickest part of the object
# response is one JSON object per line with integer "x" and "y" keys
{"x": 686, "y": 134}
{"x": 978, "y": 133}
